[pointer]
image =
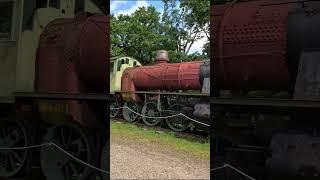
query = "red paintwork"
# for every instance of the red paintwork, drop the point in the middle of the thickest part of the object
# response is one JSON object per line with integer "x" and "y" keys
{"x": 72, "y": 58}
{"x": 249, "y": 45}
{"x": 162, "y": 76}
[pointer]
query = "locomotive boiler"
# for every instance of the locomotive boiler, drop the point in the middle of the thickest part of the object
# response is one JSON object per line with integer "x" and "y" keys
{"x": 165, "y": 89}
{"x": 46, "y": 50}
{"x": 266, "y": 88}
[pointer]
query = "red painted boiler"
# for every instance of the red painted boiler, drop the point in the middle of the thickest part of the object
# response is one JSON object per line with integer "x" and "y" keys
{"x": 250, "y": 45}
{"x": 162, "y": 76}
{"x": 72, "y": 58}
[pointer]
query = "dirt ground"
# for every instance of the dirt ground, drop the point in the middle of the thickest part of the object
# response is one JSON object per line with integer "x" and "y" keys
{"x": 131, "y": 159}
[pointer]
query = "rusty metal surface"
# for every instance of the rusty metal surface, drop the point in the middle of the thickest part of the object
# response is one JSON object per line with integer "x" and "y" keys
{"x": 163, "y": 76}
{"x": 249, "y": 45}
{"x": 72, "y": 59}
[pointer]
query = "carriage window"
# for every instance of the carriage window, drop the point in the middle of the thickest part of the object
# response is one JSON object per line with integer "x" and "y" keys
{"x": 127, "y": 61}
{"x": 55, "y": 4}
{"x": 6, "y": 12}
{"x": 134, "y": 63}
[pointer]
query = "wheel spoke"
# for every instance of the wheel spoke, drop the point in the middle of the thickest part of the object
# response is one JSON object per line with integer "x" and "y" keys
{"x": 12, "y": 161}
{"x": 150, "y": 109}
{"x": 128, "y": 114}
{"x": 16, "y": 156}
{"x": 177, "y": 123}
{"x": 12, "y": 134}
{"x": 77, "y": 145}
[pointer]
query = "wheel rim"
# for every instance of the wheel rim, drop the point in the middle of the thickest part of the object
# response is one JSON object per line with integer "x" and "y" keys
{"x": 12, "y": 134}
{"x": 114, "y": 104}
{"x": 150, "y": 109}
{"x": 177, "y": 123}
{"x": 56, "y": 163}
{"x": 129, "y": 115}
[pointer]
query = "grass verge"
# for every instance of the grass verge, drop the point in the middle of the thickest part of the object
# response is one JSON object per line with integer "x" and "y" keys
{"x": 184, "y": 145}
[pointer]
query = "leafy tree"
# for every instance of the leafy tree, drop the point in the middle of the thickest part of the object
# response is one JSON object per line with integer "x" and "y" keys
{"x": 142, "y": 33}
{"x": 138, "y": 35}
{"x": 186, "y": 21}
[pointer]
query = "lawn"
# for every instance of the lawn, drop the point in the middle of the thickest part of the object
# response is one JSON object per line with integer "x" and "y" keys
{"x": 168, "y": 139}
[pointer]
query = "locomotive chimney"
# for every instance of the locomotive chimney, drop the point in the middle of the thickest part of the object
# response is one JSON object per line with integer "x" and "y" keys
{"x": 162, "y": 57}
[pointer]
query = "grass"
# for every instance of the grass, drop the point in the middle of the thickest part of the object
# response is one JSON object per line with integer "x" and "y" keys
{"x": 181, "y": 145}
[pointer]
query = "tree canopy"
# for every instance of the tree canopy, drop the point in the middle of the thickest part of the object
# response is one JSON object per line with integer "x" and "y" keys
{"x": 142, "y": 33}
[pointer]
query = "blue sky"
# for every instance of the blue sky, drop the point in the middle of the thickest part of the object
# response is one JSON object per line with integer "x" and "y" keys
{"x": 129, "y": 6}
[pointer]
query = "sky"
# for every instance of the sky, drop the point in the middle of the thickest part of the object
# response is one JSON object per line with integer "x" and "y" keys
{"x": 127, "y": 7}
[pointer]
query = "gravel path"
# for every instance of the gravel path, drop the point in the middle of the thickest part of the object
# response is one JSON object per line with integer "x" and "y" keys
{"x": 135, "y": 160}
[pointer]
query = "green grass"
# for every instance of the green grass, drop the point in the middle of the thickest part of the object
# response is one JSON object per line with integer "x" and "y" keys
{"x": 181, "y": 145}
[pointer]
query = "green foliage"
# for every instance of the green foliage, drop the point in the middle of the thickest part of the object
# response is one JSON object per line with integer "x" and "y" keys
{"x": 142, "y": 33}
{"x": 138, "y": 35}
{"x": 186, "y": 21}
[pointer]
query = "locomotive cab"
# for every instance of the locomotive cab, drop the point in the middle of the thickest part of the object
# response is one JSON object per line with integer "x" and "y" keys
{"x": 117, "y": 67}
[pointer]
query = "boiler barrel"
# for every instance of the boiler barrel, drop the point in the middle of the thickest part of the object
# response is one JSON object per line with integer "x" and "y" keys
{"x": 163, "y": 76}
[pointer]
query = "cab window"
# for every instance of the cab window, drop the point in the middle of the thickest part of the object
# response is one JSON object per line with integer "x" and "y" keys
{"x": 111, "y": 69}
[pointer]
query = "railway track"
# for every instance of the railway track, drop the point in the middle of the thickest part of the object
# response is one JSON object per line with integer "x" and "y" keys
{"x": 196, "y": 135}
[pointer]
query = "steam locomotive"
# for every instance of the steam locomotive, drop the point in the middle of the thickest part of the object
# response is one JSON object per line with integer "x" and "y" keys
{"x": 265, "y": 72}
{"x": 48, "y": 50}
{"x": 161, "y": 90}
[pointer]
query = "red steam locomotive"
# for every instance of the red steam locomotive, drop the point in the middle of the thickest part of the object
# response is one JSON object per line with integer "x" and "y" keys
{"x": 266, "y": 88}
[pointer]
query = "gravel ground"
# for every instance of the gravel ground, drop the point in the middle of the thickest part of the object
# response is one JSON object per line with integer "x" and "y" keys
{"x": 131, "y": 159}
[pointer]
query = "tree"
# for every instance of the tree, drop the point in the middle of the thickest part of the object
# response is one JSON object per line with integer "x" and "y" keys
{"x": 142, "y": 33}
{"x": 186, "y": 22}
{"x": 138, "y": 35}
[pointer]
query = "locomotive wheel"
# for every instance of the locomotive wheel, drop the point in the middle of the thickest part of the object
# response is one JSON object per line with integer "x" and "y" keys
{"x": 12, "y": 134}
{"x": 177, "y": 123}
{"x": 150, "y": 109}
{"x": 114, "y": 104}
{"x": 56, "y": 164}
{"x": 128, "y": 115}
{"x": 105, "y": 161}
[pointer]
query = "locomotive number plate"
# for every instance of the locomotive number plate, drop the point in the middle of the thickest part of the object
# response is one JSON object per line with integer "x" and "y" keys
{"x": 53, "y": 107}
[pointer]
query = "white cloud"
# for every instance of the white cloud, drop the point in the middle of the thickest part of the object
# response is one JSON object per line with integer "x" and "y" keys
{"x": 132, "y": 9}
{"x": 197, "y": 46}
{"x": 115, "y": 4}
